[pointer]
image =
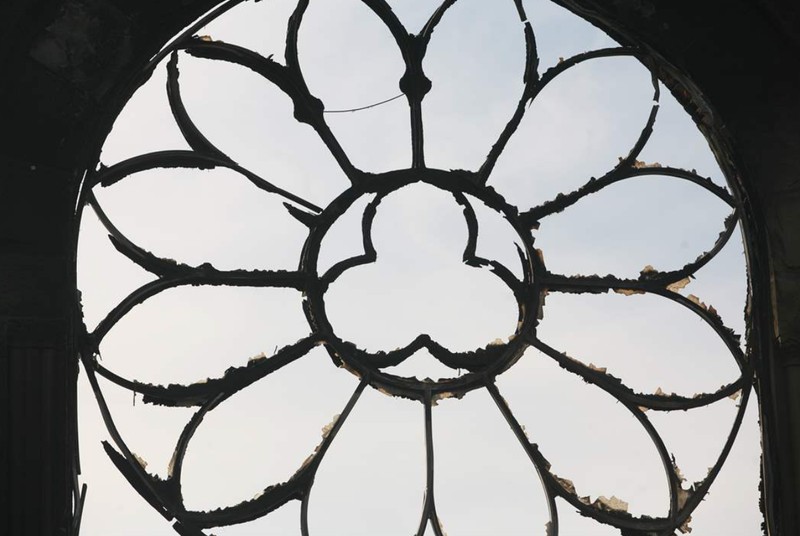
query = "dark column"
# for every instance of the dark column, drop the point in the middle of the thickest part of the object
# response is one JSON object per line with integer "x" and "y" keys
{"x": 37, "y": 373}
{"x": 742, "y": 57}
{"x": 64, "y": 70}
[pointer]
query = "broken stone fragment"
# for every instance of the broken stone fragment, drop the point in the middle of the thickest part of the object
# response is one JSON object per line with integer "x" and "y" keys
{"x": 638, "y": 164}
{"x": 257, "y": 358}
{"x": 598, "y": 369}
{"x": 695, "y": 300}
{"x": 628, "y": 291}
{"x": 648, "y": 270}
{"x": 613, "y": 504}
{"x": 326, "y": 430}
{"x": 141, "y": 461}
{"x": 679, "y": 285}
{"x": 567, "y": 484}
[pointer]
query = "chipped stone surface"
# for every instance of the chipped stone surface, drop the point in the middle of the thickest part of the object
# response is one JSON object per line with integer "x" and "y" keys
{"x": 679, "y": 285}
{"x": 612, "y": 504}
{"x": 567, "y": 484}
{"x": 141, "y": 461}
{"x": 685, "y": 528}
{"x": 598, "y": 369}
{"x": 628, "y": 292}
{"x": 256, "y": 358}
{"x": 326, "y": 430}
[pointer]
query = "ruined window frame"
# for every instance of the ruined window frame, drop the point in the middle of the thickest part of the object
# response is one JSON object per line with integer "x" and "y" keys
{"x": 161, "y": 494}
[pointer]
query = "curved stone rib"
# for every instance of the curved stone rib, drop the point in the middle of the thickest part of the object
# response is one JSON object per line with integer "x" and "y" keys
{"x": 201, "y": 392}
{"x": 107, "y": 176}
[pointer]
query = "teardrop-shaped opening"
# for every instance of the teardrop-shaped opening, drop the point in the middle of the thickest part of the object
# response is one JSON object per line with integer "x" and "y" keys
{"x": 188, "y": 334}
{"x": 656, "y": 220}
{"x": 261, "y": 435}
{"x": 252, "y": 121}
{"x": 372, "y": 480}
{"x": 476, "y": 63}
{"x": 578, "y": 127}
{"x": 351, "y": 62}
{"x": 647, "y": 341}
{"x": 215, "y": 216}
{"x": 587, "y": 436}
{"x": 485, "y": 482}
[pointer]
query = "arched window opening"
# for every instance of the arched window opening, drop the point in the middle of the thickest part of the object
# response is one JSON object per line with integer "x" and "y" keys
{"x": 505, "y": 297}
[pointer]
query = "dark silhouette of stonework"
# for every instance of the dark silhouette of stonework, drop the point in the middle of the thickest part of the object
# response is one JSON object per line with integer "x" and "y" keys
{"x": 69, "y": 67}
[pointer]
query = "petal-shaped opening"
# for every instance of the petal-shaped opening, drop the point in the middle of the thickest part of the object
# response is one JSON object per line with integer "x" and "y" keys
{"x": 476, "y": 62}
{"x": 214, "y": 216}
{"x": 104, "y": 276}
{"x": 350, "y": 61}
{"x": 257, "y": 26}
{"x": 285, "y": 521}
{"x": 570, "y": 522}
{"x": 114, "y": 499}
{"x": 697, "y": 436}
{"x": 145, "y": 124}
{"x": 262, "y": 434}
{"x": 372, "y": 480}
{"x": 187, "y": 334}
{"x": 578, "y": 127}
{"x": 560, "y": 34}
{"x": 485, "y": 482}
{"x": 677, "y": 140}
{"x": 655, "y": 220}
{"x": 419, "y": 282}
{"x": 649, "y": 342}
{"x": 732, "y": 504}
{"x": 252, "y": 121}
{"x": 587, "y": 436}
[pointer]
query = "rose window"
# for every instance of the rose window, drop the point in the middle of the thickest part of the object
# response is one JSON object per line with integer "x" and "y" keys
{"x": 419, "y": 309}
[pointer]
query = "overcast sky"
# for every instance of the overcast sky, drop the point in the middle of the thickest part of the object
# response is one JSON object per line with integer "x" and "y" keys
{"x": 372, "y": 480}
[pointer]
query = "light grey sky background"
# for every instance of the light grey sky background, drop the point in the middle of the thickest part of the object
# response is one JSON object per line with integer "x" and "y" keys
{"x": 372, "y": 480}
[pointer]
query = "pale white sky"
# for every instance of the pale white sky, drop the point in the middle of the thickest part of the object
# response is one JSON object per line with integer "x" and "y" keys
{"x": 372, "y": 480}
